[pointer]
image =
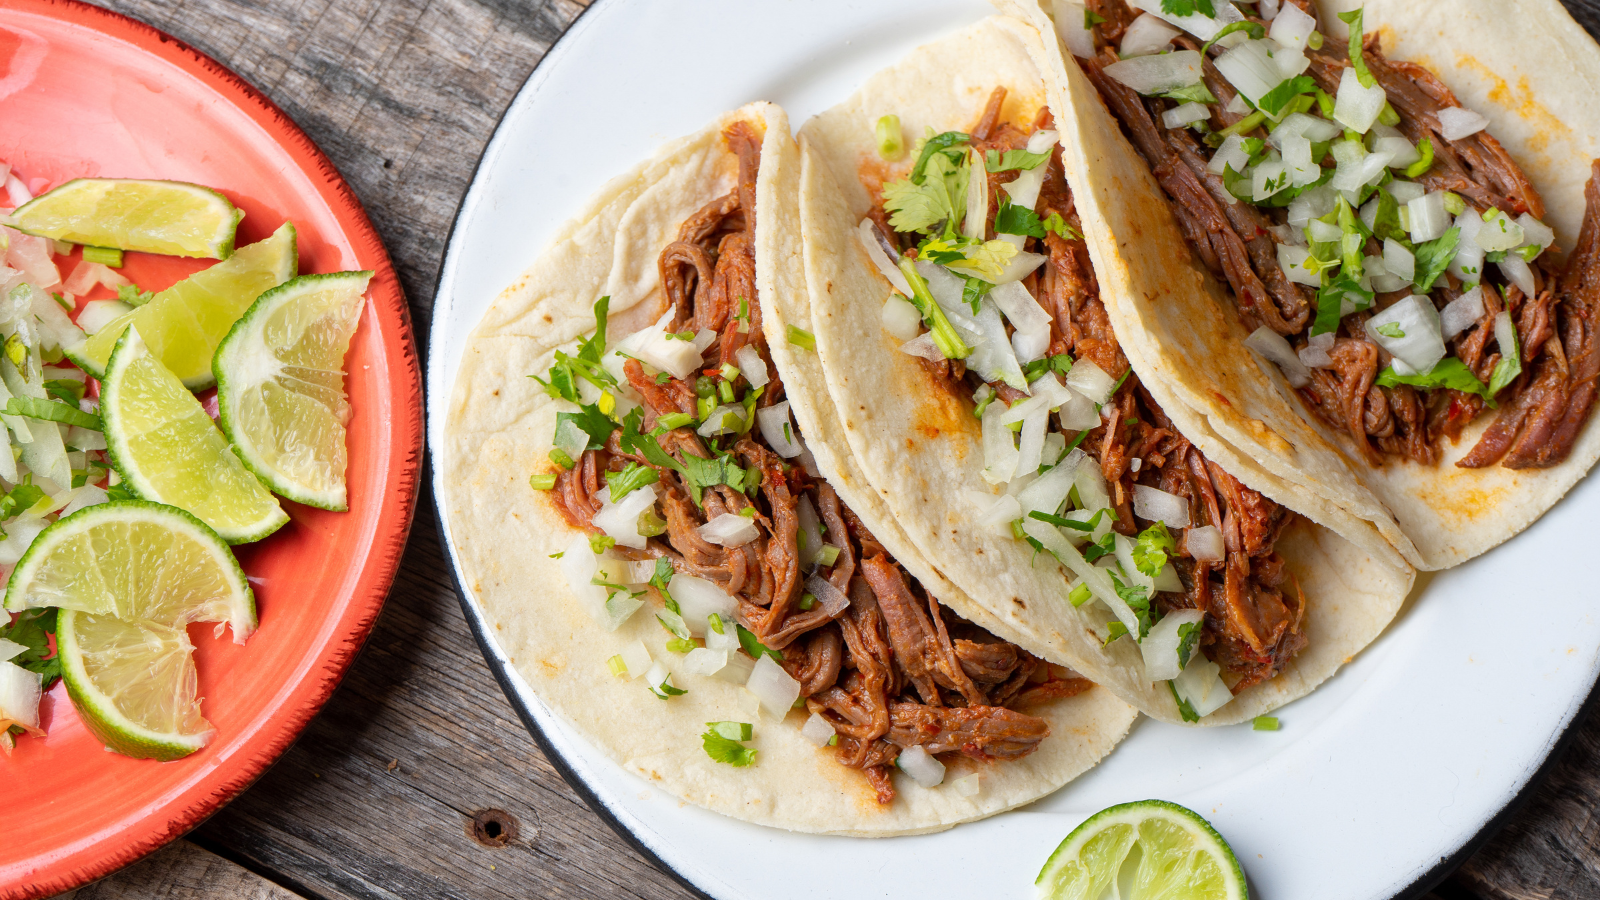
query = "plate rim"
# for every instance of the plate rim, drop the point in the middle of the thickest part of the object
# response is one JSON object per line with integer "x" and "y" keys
{"x": 1431, "y": 878}
{"x": 396, "y": 504}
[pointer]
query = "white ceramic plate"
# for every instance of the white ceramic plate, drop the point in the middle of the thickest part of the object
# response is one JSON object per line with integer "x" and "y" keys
{"x": 1377, "y": 783}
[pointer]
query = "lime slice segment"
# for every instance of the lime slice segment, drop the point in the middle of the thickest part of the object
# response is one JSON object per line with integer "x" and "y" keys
{"x": 1152, "y": 849}
{"x": 280, "y": 385}
{"x": 168, "y": 450}
{"x": 129, "y": 576}
{"x": 168, "y": 217}
{"x": 183, "y": 324}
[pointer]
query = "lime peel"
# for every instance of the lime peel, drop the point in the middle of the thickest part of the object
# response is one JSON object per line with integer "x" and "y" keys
{"x": 172, "y": 218}
{"x": 1172, "y": 854}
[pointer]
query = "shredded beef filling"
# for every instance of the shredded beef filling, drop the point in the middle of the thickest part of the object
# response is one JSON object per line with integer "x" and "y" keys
{"x": 893, "y": 669}
{"x": 1541, "y": 413}
{"x": 1254, "y": 609}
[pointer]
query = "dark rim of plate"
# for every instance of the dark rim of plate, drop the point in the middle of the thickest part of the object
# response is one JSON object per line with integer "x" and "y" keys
{"x": 1417, "y": 889}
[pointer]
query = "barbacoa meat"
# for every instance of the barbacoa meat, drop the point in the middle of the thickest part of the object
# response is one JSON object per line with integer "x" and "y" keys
{"x": 894, "y": 669}
{"x": 1541, "y": 413}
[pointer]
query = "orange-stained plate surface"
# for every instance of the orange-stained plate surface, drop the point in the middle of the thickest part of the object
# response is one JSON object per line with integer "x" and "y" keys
{"x": 85, "y": 92}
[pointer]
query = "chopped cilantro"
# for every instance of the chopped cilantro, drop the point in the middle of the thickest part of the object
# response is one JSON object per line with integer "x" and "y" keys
{"x": 32, "y": 629}
{"x": 1114, "y": 630}
{"x": 592, "y": 422}
{"x": 936, "y": 144}
{"x": 630, "y": 479}
{"x": 1185, "y": 709}
{"x": 1013, "y": 160}
{"x": 65, "y": 389}
{"x": 1091, "y": 19}
{"x": 1103, "y": 547}
{"x": 1256, "y": 29}
{"x": 802, "y": 338}
{"x": 1330, "y": 303}
{"x": 1509, "y": 366}
{"x": 1151, "y": 548}
{"x": 665, "y": 690}
{"x": 724, "y": 750}
{"x": 1188, "y": 8}
{"x": 646, "y": 445}
{"x": 1194, "y": 93}
{"x": 1421, "y": 166}
{"x": 1391, "y": 330}
{"x": 1276, "y": 99}
{"x": 1059, "y": 227}
{"x": 1357, "y": 61}
{"x": 1138, "y": 600}
{"x": 753, "y": 646}
{"x": 131, "y": 295}
{"x": 1188, "y": 637}
{"x": 1450, "y": 372}
{"x": 1014, "y": 219}
{"x": 600, "y": 543}
{"x": 585, "y": 364}
{"x": 1433, "y": 257}
{"x": 919, "y": 204}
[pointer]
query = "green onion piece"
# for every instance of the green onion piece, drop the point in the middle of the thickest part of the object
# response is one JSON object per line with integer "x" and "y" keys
{"x": 63, "y": 302}
{"x": 542, "y": 481}
{"x": 617, "y": 666}
{"x": 890, "y": 143}
{"x": 715, "y": 621}
{"x": 1079, "y": 596}
{"x": 983, "y": 396}
{"x": 600, "y": 543}
{"x": 672, "y": 421}
{"x": 1264, "y": 723}
{"x": 725, "y": 391}
{"x": 1388, "y": 116}
{"x": 51, "y": 411}
{"x": 705, "y": 387}
{"x": 1245, "y": 125}
{"x": 749, "y": 512}
{"x": 560, "y": 458}
{"x": 1421, "y": 166}
{"x": 833, "y": 741}
{"x": 650, "y": 524}
{"x": 1454, "y": 204}
{"x": 704, "y": 406}
{"x": 802, "y": 338}
{"x": 945, "y": 336}
{"x": 679, "y": 645}
{"x": 799, "y": 703}
{"x": 733, "y": 731}
{"x": 807, "y": 601}
{"x": 17, "y": 352}
{"x": 1315, "y": 40}
{"x": 828, "y": 555}
{"x": 729, "y": 371}
{"x": 105, "y": 256}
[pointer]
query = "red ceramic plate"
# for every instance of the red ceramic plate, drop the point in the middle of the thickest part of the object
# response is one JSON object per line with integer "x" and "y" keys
{"x": 85, "y": 92}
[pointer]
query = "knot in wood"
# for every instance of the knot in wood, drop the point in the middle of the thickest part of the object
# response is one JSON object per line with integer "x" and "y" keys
{"x": 493, "y": 828}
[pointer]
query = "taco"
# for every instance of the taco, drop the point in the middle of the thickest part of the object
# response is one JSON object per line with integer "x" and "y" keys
{"x": 1385, "y": 216}
{"x": 651, "y": 503}
{"x": 988, "y": 398}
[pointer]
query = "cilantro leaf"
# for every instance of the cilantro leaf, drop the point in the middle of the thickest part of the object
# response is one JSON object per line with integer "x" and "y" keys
{"x": 1188, "y": 8}
{"x": 1114, "y": 629}
{"x": 1102, "y": 547}
{"x": 1188, "y": 638}
{"x": 935, "y": 145}
{"x": 753, "y": 646}
{"x": 1059, "y": 227}
{"x": 1391, "y": 330}
{"x": 699, "y": 474}
{"x": 1330, "y": 303}
{"x": 1013, "y": 160}
{"x": 1185, "y": 709}
{"x": 1276, "y": 99}
{"x": 121, "y": 491}
{"x": 32, "y": 629}
{"x": 727, "y": 751}
{"x": 1138, "y": 600}
{"x": 1509, "y": 366}
{"x": 940, "y": 196}
{"x": 585, "y": 364}
{"x": 1011, "y": 218}
{"x": 973, "y": 293}
{"x": 1150, "y": 549}
{"x": 1256, "y": 29}
{"x": 1450, "y": 372}
{"x": 1434, "y": 257}
{"x": 1363, "y": 74}
{"x": 630, "y": 479}
{"x": 65, "y": 389}
{"x": 665, "y": 689}
{"x": 1387, "y": 222}
{"x": 592, "y": 422}
{"x": 131, "y": 295}
{"x": 646, "y": 445}
{"x": 1194, "y": 93}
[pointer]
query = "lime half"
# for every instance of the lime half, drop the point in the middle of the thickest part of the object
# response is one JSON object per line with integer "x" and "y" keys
{"x": 168, "y": 217}
{"x": 168, "y": 450}
{"x": 280, "y": 385}
{"x": 183, "y": 324}
{"x": 1151, "y": 849}
{"x": 129, "y": 576}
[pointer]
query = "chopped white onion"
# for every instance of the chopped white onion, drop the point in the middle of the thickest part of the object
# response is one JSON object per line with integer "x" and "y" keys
{"x": 1274, "y": 347}
{"x": 1468, "y": 262}
{"x": 1292, "y": 27}
{"x": 579, "y": 565}
{"x": 703, "y": 338}
{"x": 995, "y": 514}
{"x": 725, "y": 419}
{"x": 1456, "y": 123}
{"x": 1031, "y": 322}
{"x": 636, "y": 659}
{"x": 1205, "y": 543}
{"x": 975, "y": 224}
{"x": 1324, "y": 232}
{"x": 1079, "y": 413}
{"x": 1397, "y": 260}
{"x": 817, "y": 730}
{"x": 1146, "y": 35}
{"x": 620, "y": 520}
{"x": 999, "y": 449}
{"x": 20, "y": 691}
{"x": 668, "y": 354}
{"x": 752, "y": 366}
{"x": 1291, "y": 63}
{"x": 1404, "y": 192}
{"x": 900, "y": 318}
{"x": 1313, "y": 204}
{"x": 729, "y": 530}
{"x": 832, "y": 599}
{"x": 1357, "y": 107}
{"x": 1030, "y": 445}
{"x": 1090, "y": 380}
{"x": 1505, "y": 334}
{"x": 867, "y": 237}
{"x": 1201, "y": 684}
{"x": 1093, "y": 493}
{"x": 1184, "y": 114}
{"x": 1158, "y": 74}
{"x": 1160, "y": 646}
{"x": 1518, "y": 272}
{"x": 1201, "y": 26}
{"x": 10, "y": 650}
{"x": 1461, "y": 313}
{"x": 1269, "y": 9}
{"x": 1499, "y": 232}
{"x": 769, "y": 682}
{"x": 1230, "y": 155}
{"x": 1124, "y": 545}
{"x": 704, "y": 661}
{"x": 1237, "y": 105}
{"x": 1268, "y": 178}
{"x": 1023, "y": 264}
{"x": 969, "y": 784}
{"x": 1535, "y": 233}
{"x": 1297, "y": 158}
{"x": 992, "y": 356}
{"x": 96, "y": 314}
{"x": 1155, "y": 505}
{"x": 1314, "y": 355}
{"x": 923, "y": 346}
{"x": 85, "y": 496}
{"x": 1047, "y": 493}
{"x": 777, "y": 432}
{"x": 810, "y": 526}
{"x": 1402, "y": 153}
{"x": 1429, "y": 220}
{"x": 926, "y": 771}
{"x": 698, "y": 601}
{"x": 726, "y": 639}
{"x": 1421, "y": 344}
{"x": 1357, "y": 168}
{"x": 1070, "y": 25}
{"x": 1251, "y": 69}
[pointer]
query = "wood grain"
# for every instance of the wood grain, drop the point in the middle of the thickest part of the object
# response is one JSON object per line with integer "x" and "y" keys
{"x": 182, "y": 871}
{"x": 378, "y": 799}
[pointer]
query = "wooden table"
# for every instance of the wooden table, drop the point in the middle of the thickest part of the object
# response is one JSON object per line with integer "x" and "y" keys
{"x": 417, "y": 780}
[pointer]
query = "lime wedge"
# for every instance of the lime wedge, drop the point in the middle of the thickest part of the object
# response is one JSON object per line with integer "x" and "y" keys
{"x": 184, "y": 323}
{"x": 168, "y": 217}
{"x": 1151, "y": 849}
{"x": 280, "y": 385}
{"x": 168, "y": 450}
{"x": 129, "y": 576}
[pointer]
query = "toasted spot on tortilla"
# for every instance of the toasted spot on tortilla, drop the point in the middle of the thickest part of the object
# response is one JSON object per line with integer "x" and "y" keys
{"x": 1018, "y": 601}
{"x": 1266, "y": 435}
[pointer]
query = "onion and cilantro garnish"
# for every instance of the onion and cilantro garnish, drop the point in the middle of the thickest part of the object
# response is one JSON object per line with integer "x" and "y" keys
{"x": 963, "y": 241}
{"x": 1353, "y": 206}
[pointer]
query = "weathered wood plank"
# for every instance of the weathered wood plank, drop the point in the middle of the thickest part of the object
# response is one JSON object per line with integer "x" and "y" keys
{"x": 182, "y": 871}
{"x": 378, "y": 799}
